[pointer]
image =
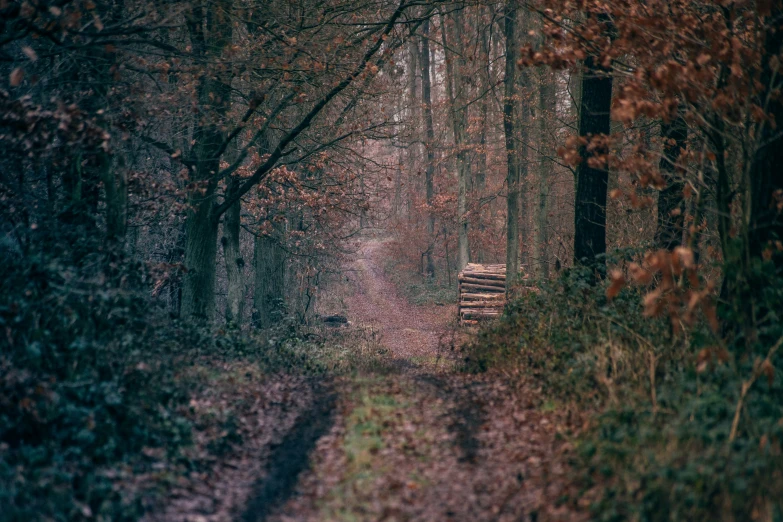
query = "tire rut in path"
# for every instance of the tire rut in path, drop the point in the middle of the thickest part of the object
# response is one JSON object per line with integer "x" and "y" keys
{"x": 465, "y": 448}
{"x": 291, "y": 457}
{"x": 466, "y": 415}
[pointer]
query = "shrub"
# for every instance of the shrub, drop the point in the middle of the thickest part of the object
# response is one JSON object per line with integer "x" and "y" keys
{"x": 671, "y": 436}
{"x": 95, "y": 388}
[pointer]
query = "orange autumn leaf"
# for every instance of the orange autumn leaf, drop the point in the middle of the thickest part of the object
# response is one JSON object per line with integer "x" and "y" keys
{"x": 618, "y": 282}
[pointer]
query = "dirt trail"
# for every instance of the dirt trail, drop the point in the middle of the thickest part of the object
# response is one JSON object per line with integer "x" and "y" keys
{"x": 414, "y": 334}
{"x": 424, "y": 441}
{"x": 401, "y": 435}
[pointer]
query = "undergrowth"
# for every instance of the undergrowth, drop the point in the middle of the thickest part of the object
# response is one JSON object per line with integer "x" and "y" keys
{"x": 417, "y": 289}
{"x": 663, "y": 407}
{"x": 97, "y": 389}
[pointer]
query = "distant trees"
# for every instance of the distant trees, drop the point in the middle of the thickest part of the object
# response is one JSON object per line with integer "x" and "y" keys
{"x": 167, "y": 132}
{"x": 213, "y": 99}
{"x": 485, "y": 198}
{"x": 457, "y": 85}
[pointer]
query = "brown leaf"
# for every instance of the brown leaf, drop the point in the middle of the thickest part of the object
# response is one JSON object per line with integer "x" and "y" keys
{"x": 768, "y": 370}
{"x": 652, "y": 303}
{"x": 639, "y": 274}
{"x": 618, "y": 282}
{"x": 712, "y": 317}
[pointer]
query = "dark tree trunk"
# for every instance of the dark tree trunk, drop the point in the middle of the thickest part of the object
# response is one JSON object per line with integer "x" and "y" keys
{"x": 269, "y": 291}
{"x": 766, "y": 173}
{"x": 232, "y": 254}
{"x": 592, "y": 181}
{"x": 115, "y": 184}
{"x": 214, "y": 96}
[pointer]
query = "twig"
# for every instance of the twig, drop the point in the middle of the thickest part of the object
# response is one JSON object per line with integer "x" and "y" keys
{"x": 746, "y": 387}
{"x": 653, "y": 396}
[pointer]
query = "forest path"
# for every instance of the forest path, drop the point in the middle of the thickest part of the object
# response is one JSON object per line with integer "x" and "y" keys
{"x": 415, "y": 439}
{"x": 416, "y": 336}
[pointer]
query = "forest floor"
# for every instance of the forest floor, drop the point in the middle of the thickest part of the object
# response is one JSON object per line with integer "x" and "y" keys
{"x": 404, "y": 435}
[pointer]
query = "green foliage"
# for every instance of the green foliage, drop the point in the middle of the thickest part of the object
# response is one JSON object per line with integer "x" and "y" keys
{"x": 661, "y": 406}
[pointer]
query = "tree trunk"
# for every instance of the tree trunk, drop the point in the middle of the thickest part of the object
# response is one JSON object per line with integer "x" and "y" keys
{"x": 509, "y": 129}
{"x": 232, "y": 254}
{"x": 455, "y": 83}
{"x": 414, "y": 118}
{"x": 592, "y": 181}
{"x": 198, "y": 290}
{"x": 671, "y": 211}
{"x": 747, "y": 282}
{"x": 522, "y": 121}
{"x": 429, "y": 143}
{"x": 269, "y": 292}
{"x": 546, "y": 110}
{"x": 214, "y": 96}
{"x": 480, "y": 176}
{"x": 766, "y": 173}
{"x": 115, "y": 185}
{"x": 397, "y": 206}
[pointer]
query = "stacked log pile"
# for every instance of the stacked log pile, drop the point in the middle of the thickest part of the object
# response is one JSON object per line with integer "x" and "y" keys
{"x": 482, "y": 292}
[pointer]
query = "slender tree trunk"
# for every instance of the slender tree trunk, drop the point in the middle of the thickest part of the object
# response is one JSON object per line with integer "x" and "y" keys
{"x": 414, "y": 119}
{"x": 480, "y": 176}
{"x": 429, "y": 143}
{"x": 671, "y": 208}
{"x": 115, "y": 185}
{"x": 455, "y": 84}
{"x": 363, "y": 209}
{"x": 523, "y": 119}
{"x": 509, "y": 129}
{"x": 175, "y": 257}
{"x": 546, "y": 110}
{"x": 592, "y": 181}
{"x": 232, "y": 254}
